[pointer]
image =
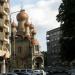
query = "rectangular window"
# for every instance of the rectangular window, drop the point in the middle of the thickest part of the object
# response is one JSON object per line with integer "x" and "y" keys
{"x": 1, "y": 29}
{"x": 37, "y": 47}
{"x": 19, "y": 49}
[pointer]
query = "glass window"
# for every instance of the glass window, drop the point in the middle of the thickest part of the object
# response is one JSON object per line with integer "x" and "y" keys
{"x": 1, "y": 29}
{"x": 19, "y": 49}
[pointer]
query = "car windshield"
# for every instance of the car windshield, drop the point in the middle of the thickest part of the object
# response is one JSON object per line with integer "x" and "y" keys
{"x": 23, "y": 70}
{"x": 16, "y": 71}
{"x": 29, "y": 70}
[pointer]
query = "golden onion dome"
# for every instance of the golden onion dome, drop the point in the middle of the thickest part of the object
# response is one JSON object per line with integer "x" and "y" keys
{"x": 33, "y": 32}
{"x": 27, "y": 24}
{"x": 28, "y": 37}
{"x": 22, "y": 15}
{"x": 13, "y": 24}
{"x": 34, "y": 42}
{"x": 31, "y": 26}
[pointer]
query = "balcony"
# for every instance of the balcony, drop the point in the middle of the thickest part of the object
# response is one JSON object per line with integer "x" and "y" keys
{"x": 6, "y": 26}
{"x": 1, "y": 35}
{"x": 6, "y": 53}
{"x": 1, "y": 22}
{"x": 6, "y": 38}
{"x": 1, "y": 45}
{"x": 6, "y": 30}
{"x": 6, "y": 41}
{"x": 6, "y": 18}
{"x": 2, "y": 10}
{"x": 2, "y": 1}
{"x": 6, "y": 5}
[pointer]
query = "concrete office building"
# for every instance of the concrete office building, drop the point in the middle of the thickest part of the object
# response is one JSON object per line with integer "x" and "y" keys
{"x": 53, "y": 46}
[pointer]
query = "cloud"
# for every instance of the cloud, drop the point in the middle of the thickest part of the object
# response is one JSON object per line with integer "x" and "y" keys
{"x": 42, "y": 13}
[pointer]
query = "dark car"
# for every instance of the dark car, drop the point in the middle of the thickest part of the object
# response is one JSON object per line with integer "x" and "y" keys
{"x": 60, "y": 73}
{"x": 8, "y": 74}
{"x": 22, "y": 73}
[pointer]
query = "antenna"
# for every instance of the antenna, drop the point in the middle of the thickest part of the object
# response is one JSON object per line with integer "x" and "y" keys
{"x": 21, "y": 5}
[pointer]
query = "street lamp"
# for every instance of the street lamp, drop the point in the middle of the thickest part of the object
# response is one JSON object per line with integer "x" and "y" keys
{"x": 13, "y": 31}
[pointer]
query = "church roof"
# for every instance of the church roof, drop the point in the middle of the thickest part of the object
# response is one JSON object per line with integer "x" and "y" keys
{"x": 35, "y": 42}
{"x": 22, "y": 15}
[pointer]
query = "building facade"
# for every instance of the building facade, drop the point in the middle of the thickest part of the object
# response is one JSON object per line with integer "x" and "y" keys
{"x": 24, "y": 46}
{"x": 53, "y": 46}
{"x": 4, "y": 34}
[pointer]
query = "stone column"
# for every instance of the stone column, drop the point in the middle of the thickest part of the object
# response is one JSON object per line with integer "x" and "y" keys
{"x": 3, "y": 67}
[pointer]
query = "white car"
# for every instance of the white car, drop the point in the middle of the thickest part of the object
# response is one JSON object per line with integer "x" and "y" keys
{"x": 39, "y": 72}
{"x": 44, "y": 73}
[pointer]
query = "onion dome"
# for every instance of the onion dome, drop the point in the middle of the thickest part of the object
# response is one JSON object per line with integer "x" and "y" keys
{"x": 2, "y": 1}
{"x": 27, "y": 24}
{"x": 34, "y": 42}
{"x": 31, "y": 26}
{"x": 28, "y": 37}
{"x": 13, "y": 24}
{"x": 22, "y": 15}
{"x": 33, "y": 32}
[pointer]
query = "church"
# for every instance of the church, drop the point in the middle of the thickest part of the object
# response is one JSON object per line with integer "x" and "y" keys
{"x": 25, "y": 51}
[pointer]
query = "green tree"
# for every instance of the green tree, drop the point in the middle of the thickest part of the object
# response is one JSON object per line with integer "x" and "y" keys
{"x": 66, "y": 17}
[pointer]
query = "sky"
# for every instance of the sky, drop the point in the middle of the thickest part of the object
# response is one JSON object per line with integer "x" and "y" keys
{"x": 42, "y": 14}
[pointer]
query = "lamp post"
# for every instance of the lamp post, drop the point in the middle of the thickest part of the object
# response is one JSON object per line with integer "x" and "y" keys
{"x": 13, "y": 31}
{"x": 14, "y": 34}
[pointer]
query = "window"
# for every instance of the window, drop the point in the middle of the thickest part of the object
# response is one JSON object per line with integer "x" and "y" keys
{"x": 1, "y": 29}
{"x": 37, "y": 48}
{"x": 47, "y": 35}
{"x": 19, "y": 49}
{"x": 1, "y": 42}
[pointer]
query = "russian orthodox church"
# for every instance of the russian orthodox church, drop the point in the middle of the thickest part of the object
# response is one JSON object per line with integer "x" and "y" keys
{"x": 25, "y": 51}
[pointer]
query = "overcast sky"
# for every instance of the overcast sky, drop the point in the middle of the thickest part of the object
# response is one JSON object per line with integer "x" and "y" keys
{"x": 42, "y": 14}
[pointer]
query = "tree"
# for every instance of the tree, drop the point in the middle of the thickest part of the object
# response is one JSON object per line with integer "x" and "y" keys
{"x": 66, "y": 17}
{"x": 45, "y": 58}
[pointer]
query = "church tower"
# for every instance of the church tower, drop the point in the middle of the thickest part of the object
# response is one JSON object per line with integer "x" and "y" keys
{"x": 37, "y": 56}
{"x": 21, "y": 46}
{"x": 24, "y": 46}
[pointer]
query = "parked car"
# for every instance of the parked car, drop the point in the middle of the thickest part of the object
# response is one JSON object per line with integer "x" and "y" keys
{"x": 9, "y": 74}
{"x": 39, "y": 72}
{"x": 27, "y": 70}
{"x": 16, "y": 70}
{"x": 60, "y": 73}
{"x": 71, "y": 71}
{"x": 23, "y": 71}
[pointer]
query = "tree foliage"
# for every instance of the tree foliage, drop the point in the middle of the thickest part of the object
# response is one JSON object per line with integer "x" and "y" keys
{"x": 66, "y": 17}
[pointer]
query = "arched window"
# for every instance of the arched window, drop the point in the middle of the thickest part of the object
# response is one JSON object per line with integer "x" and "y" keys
{"x": 19, "y": 49}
